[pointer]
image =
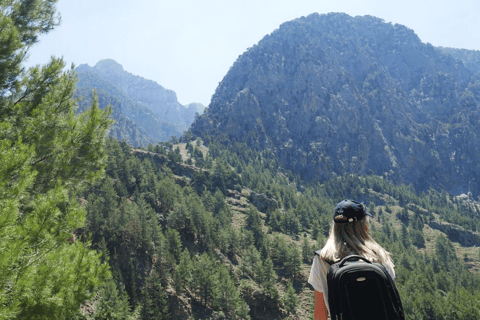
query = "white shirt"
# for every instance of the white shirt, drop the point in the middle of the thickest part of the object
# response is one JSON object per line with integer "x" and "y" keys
{"x": 318, "y": 276}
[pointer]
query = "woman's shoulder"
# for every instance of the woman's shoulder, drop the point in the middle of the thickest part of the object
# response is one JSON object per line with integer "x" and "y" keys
{"x": 321, "y": 258}
{"x": 324, "y": 263}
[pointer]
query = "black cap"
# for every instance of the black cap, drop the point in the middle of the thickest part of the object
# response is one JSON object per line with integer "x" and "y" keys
{"x": 349, "y": 211}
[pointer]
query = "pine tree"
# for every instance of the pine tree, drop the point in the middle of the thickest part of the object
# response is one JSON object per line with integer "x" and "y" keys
{"x": 203, "y": 273}
{"x": 173, "y": 243}
{"x": 320, "y": 243}
{"x": 251, "y": 259}
{"x": 268, "y": 279}
{"x": 293, "y": 262}
{"x": 242, "y": 310}
{"x": 445, "y": 251}
{"x": 315, "y": 229}
{"x": 417, "y": 238}
{"x": 406, "y": 241}
{"x": 183, "y": 273}
{"x": 154, "y": 304}
{"x": 306, "y": 250}
{"x": 48, "y": 155}
{"x": 290, "y": 300}
{"x": 254, "y": 223}
{"x": 112, "y": 303}
{"x": 225, "y": 295}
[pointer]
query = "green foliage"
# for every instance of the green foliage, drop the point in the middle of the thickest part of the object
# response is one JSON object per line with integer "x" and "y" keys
{"x": 417, "y": 238}
{"x": 254, "y": 223}
{"x": 225, "y": 294}
{"x": 21, "y": 22}
{"x": 291, "y": 299}
{"x": 268, "y": 279}
{"x": 112, "y": 303}
{"x": 48, "y": 154}
{"x": 403, "y": 216}
{"x": 306, "y": 250}
{"x": 405, "y": 237}
{"x": 251, "y": 262}
{"x": 173, "y": 244}
{"x": 445, "y": 250}
{"x": 293, "y": 262}
{"x": 183, "y": 273}
{"x": 154, "y": 303}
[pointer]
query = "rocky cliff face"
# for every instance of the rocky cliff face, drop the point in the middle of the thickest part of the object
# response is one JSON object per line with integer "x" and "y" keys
{"x": 457, "y": 234}
{"x": 144, "y": 111}
{"x": 332, "y": 94}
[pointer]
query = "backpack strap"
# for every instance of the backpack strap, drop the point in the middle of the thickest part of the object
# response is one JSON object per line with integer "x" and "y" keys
{"x": 353, "y": 258}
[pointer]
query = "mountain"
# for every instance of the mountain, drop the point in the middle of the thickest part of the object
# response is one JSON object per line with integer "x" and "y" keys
{"x": 470, "y": 58}
{"x": 334, "y": 94}
{"x": 144, "y": 111}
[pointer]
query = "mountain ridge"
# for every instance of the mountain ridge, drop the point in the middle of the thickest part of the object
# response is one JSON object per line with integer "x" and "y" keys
{"x": 470, "y": 58}
{"x": 333, "y": 94}
{"x": 146, "y": 111}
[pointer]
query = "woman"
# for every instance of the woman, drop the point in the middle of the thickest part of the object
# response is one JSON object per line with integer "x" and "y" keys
{"x": 349, "y": 234}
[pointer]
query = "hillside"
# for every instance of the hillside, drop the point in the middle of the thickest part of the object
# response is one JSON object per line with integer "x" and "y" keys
{"x": 333, "y": 94}
{"x": 226, "y": 233}
{"x": 144, "y": 111}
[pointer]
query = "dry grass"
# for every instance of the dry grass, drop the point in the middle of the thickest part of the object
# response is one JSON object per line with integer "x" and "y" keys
{"x": 239, "y": 219}
{"x": 184, "y": 152}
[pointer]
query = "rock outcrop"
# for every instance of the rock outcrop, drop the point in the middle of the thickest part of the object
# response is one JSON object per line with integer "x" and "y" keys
{"x": 334, "y": 94}
{"x": 179, "y": 169}
{"x": 456, "y": 233}
{"x": 262, "y": 202}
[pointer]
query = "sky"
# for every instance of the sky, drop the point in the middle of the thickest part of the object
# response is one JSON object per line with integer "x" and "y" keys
{"x": 188, "y": 46}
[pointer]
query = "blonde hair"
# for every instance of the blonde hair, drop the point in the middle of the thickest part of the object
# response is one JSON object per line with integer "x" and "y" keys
{"x": 353, "y": 238}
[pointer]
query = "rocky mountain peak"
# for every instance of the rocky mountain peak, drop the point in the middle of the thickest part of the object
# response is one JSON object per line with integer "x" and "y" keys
{"x": 144, "y": 110}
{"x": 334, "y": 94}
{"x": 109, "y": 65}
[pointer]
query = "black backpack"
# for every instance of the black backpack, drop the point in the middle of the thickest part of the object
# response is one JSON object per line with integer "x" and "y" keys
{"x": 362, "y": 290}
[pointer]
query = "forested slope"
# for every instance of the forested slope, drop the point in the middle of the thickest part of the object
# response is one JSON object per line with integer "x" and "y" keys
{"x": 190, "y": 231}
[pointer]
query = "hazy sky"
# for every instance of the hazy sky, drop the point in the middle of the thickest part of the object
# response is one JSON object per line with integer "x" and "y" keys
{"x": 189, "y": 45}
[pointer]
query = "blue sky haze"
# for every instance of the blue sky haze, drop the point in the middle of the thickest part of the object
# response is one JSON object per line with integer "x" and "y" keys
{"x": 189, "y": 45}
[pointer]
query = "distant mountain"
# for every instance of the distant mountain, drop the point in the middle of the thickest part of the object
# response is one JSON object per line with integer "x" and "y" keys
{"x": 144, "y": 111}
{"x": 334, "y": 94}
